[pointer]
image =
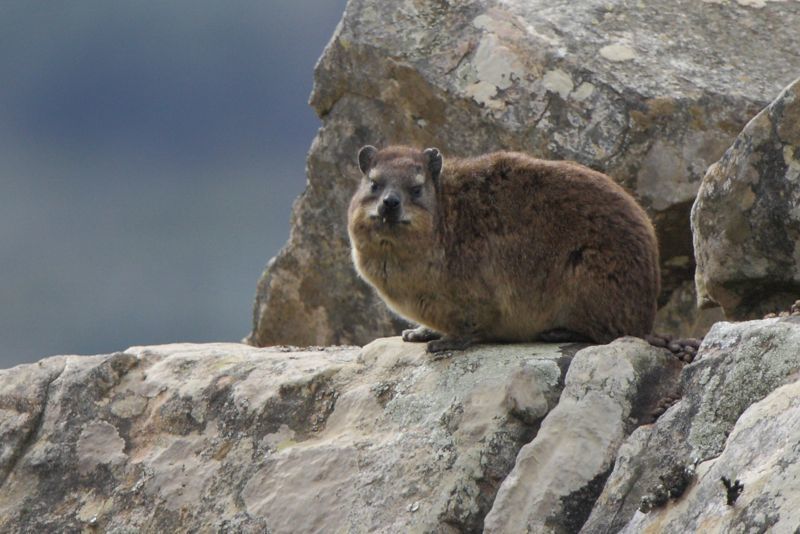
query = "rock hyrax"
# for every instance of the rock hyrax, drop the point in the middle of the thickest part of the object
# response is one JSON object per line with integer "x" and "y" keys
{"x": 502, "y": 247}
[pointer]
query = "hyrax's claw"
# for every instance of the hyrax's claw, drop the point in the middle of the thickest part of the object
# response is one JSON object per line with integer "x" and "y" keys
{"x": 419, "y": 334}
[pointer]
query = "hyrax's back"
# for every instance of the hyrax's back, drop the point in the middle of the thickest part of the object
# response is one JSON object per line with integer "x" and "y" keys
{"x": 547, "y": 247}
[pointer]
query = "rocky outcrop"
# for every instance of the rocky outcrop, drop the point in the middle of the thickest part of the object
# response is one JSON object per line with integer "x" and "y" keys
{"x": 721, "y": 425}
{"x": 746, "y": 219}
{"x": 651, "y": 93}
{"x": 229, "y": 438}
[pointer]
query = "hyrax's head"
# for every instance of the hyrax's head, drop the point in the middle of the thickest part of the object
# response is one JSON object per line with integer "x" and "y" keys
{"x": 397, "y": 194}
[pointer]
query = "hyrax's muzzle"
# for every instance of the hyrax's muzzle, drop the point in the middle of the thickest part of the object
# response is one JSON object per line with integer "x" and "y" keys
{"x": 390, "y": 209}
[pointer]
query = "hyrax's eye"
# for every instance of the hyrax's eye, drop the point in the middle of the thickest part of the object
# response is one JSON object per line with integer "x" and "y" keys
{"x": 416, "y": 191}
{"x": 374, "y": 186}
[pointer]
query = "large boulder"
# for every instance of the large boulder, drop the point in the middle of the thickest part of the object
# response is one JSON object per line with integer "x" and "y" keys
{"x": 746, "y": 219}
{"x": 651, "y": 92}
{"x": 230, "y": 438}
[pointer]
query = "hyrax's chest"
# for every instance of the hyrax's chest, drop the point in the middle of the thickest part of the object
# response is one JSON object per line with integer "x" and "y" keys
{"x": 392, "y": 274}
{"x": 406, "y": 281}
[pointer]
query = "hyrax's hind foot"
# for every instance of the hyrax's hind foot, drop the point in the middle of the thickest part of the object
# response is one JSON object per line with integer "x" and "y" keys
{"x": 420, "y": 333}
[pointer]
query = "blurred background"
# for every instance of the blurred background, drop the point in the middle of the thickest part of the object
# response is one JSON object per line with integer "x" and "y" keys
{"x": 150, "y": 152}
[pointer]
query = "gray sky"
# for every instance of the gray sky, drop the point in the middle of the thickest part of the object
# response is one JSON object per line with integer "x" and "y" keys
{"x": 149, "y": 155}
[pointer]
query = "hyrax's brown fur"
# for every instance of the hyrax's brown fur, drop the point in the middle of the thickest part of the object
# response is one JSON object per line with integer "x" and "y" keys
{"x": 502, "y": 247}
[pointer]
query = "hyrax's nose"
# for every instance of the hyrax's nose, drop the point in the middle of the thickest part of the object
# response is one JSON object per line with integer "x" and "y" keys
{"x": 390, "y": 206}
{"x": 391, "y": 201}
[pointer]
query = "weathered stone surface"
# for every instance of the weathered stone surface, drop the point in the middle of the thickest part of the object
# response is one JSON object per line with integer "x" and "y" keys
{"x": 557, "y": 477}
{"x": 761, "y": 452}
{"x": 646, "y": 91}
{"x": 738, "y": 365}
{"x": 230, "y": 438}
{"x": 746, "y": 219}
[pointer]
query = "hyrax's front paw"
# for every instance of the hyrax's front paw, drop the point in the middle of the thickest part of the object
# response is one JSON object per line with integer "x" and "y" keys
{"x": 419, "y": 334}
{"x": 449, "y": 343}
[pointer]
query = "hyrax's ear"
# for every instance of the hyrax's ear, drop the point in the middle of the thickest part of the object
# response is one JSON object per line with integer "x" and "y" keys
{"x": 365, "y": 158}
{"x": 434, "y": 162}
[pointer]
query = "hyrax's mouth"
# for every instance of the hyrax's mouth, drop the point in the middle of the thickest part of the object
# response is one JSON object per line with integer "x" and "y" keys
{"x": 388, "y": 220}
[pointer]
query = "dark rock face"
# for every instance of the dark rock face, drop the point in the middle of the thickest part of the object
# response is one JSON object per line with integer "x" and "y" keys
{"x": 647, "y": 93}
{"x": 746, "y": 218}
